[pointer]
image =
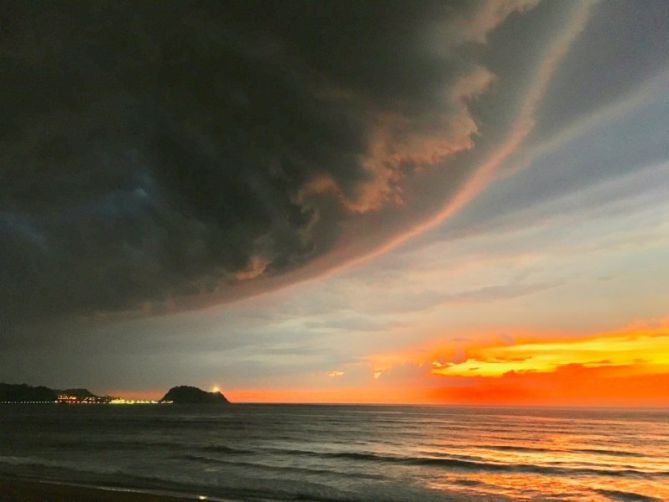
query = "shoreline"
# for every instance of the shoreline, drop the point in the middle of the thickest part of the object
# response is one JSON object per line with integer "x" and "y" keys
{"x": 28, "y": 489}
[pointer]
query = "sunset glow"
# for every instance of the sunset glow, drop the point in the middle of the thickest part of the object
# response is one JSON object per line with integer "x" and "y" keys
{"x": 630, "y": 367}
{"x": 625, "y": 367}
{"x": 645, "y": 353}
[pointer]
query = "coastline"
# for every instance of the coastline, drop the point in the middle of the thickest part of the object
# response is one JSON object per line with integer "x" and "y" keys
{"x": 32, "y": 489}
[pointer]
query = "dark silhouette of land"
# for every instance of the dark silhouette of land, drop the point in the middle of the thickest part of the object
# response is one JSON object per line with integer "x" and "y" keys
{"x": 78, "y": 393}
{"x": 185, "y": 394}
{"x": 18, "y": 393}
{"x": 22, "y": 393}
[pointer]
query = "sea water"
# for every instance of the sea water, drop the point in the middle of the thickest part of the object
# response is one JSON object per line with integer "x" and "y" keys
{"x": 329, "y": 452}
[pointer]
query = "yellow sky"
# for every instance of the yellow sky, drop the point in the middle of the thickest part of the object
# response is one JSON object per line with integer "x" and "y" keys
{"x": 647, "y": 351}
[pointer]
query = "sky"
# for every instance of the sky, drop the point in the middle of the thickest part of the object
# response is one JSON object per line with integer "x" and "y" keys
{"x": 397, "y": 202}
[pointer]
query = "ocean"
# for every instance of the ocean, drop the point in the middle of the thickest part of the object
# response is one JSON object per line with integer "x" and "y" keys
{"x": 337, "y": 453}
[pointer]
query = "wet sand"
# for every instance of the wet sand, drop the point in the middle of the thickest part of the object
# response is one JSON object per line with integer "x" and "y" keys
{"x": 22, "y": 490}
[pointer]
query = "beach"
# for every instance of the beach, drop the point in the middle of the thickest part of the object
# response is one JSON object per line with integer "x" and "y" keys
{"x": 25, "y": 490}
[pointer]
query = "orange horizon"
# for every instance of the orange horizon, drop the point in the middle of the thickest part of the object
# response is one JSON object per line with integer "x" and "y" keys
{"x": 625, "y": 368}
{"x": 298, "y": 397}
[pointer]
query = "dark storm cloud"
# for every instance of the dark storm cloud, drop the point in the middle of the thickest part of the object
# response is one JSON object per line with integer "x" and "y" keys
{"x": 150, "y": 151}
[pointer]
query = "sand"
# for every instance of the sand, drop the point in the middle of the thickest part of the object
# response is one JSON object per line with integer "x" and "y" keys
{"x": 21, "y": 490}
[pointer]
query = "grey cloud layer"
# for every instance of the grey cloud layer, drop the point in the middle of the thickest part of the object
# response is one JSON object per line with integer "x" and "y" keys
{"x": 153, "y": 151}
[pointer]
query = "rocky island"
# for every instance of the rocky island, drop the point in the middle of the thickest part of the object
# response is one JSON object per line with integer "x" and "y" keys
{"x": 185, "y": 394}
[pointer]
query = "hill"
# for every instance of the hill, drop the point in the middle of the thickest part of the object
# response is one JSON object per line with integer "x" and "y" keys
{"x": 185, "y": 394}
{"x": 18, "y": 393}
{"x": 78, "y": 393}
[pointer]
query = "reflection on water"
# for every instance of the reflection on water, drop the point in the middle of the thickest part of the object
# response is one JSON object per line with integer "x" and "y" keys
{"x": 346, "y": 452}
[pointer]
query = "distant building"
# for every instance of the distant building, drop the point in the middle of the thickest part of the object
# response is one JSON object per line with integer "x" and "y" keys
{"x": 75, "y": 399}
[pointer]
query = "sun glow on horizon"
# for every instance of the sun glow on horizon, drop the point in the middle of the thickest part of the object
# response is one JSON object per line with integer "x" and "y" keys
{"x": 649, "y": 353}
{"x": 630, "y": 367}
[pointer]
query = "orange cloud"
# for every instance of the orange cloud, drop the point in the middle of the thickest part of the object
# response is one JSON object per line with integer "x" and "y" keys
{"x": 650, "y": 352}
{"x": 623, "y": 368}
{"x": 255, "y": 268}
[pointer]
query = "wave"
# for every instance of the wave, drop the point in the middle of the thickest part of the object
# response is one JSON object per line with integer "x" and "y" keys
{"x": 613, "y": 453}
{"x": 259, "y": 465}
{"x": 595, "y": 451}
{"x": 627, "y": 496}
{"x": 170, "y": 485}
{"x": 456, "y": 462}
{"x": 95, "y": 444}
{"x": 227, "y": 449}
{"x": 515, "y": 448}
{"x": 31, "y": 462}
{"x": 471, "y": 465}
